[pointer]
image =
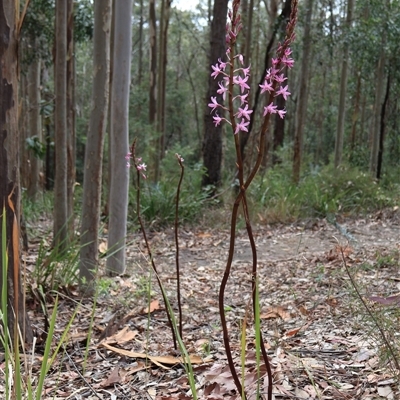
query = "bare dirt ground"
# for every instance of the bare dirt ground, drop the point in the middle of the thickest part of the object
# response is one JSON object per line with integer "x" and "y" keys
{"x": 320, "y": 340}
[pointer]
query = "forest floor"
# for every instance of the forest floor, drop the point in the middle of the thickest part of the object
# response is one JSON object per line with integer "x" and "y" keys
{"x": 321, "y": 342}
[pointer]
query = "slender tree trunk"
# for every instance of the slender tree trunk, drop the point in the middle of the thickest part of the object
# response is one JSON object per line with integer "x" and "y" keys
{"x": 355, "y": 116}
{"x": 95, "y": 143}
{"x": 140, "y": 61}
{"x": 119, "y": 137}
{"x": 153, "y": 89}
{"x": 153, "y": 62}
{"x": 61, "y": 164}
{"x": 212, "y": 142}
{"x": 24, "y": 130}
{"x": 379, "y": 84}
{"x": 303, "y": 94}
{"x": 343, "y": 90}
{"x": 71, "y": 133}
{"x": 162, "y": 77}
{"x": 9, "y": 169}
{"x": 34, "y": 125}
{"x": 320, "y": 119}
{"x": 382, "y": 130}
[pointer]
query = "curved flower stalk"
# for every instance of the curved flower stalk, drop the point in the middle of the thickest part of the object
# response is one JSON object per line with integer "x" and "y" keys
{"x": 178, "y": 275}
{"x": 140, "y": 167}
{"x": 234, "y": 86}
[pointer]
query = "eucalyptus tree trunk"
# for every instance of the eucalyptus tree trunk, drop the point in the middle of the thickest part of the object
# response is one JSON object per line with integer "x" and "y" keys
{"x": 153, "y": 85}
{"x": 95, "y": 143}
{"x": 162, "y": 80}
{"x": 343, "y": 89}
{"x": 212, "y": 141}
{"x": 9, "y": 171}
{"x": 71, "y": 133}
{"x": 61, "y": 163}
{"x": 24, "y": 165}
{"x": 140, "y": 60}
{"x": 355, "y": 117}
{"x": 119, "y": 146}
{"x": 376, "y": 126}
{"x": 153, "y": 62}
{"x": 303, "y": 93}
{"x": 34, "y": 126}
{"x": 383, "y": 129}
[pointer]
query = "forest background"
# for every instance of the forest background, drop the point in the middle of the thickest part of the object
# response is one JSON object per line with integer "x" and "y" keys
{"x": 88, "y": 78}
{"x": 341, "y": 121}
{"x": 148, "y": 77}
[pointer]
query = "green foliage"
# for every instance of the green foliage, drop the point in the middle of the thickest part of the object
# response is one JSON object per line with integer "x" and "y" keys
{"x": 54, "y": 269}
{"x": 15, "y": 384}
{"x": 83, "y": 20}
{"x": 34, "y": 144}
{"x": 321, "y": 192}
{"x": 41, "y": 207}
{"x": 158, "y": 200}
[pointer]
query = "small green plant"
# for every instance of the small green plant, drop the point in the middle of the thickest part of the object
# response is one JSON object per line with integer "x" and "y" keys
{"x": 143, "y": 287}
{"x": 158, "y": 200}
{"x": 321, "y": 192}
{"x": 33, "y": 210}
{"x": 54, "y": 269}
{"x": 388, "y": 260}
{"x": 206, "y": 348}
{"x": 104, "y": 285}
{"x": 17, "y": 386}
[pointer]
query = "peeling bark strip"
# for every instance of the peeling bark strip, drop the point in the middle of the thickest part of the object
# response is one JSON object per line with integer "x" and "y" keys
{"x": 9, "y": 162}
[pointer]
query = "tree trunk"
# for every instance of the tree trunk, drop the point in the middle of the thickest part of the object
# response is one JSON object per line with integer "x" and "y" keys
{"x": 162, "y": 79}
{"x": 355, "y": 117}
{"x": 71, "y": 134}
{"x": 155, "y": 144}
{"x": 153, "y": 62}
{"x": 375, "y": 134}
{"x": 34, "y": 125}
{"x": 303, "y": 94}
{"x": 343, "y": 89}
{"x": 119, "y": 137}
{"x": 95, "y": 143}
{"x": 212, "y": 142}
{"x": 23, "y": 130}
{"x": 382, "y": 130}
{"x": 318, "y": 155}
{"x": 9, "y": 168}
{"x": 140, "y": 60}
{"x": 61, "y": 164}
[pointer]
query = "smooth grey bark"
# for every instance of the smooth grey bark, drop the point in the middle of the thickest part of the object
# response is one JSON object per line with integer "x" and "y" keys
{"x": 343, "y": 89}
{"x": 119, "y": 146}
{"x": 34, "y": 125}
{"x": 303, "y": 93}
{"x": 95, "y": 143}
{"x": 61, "y": 162}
